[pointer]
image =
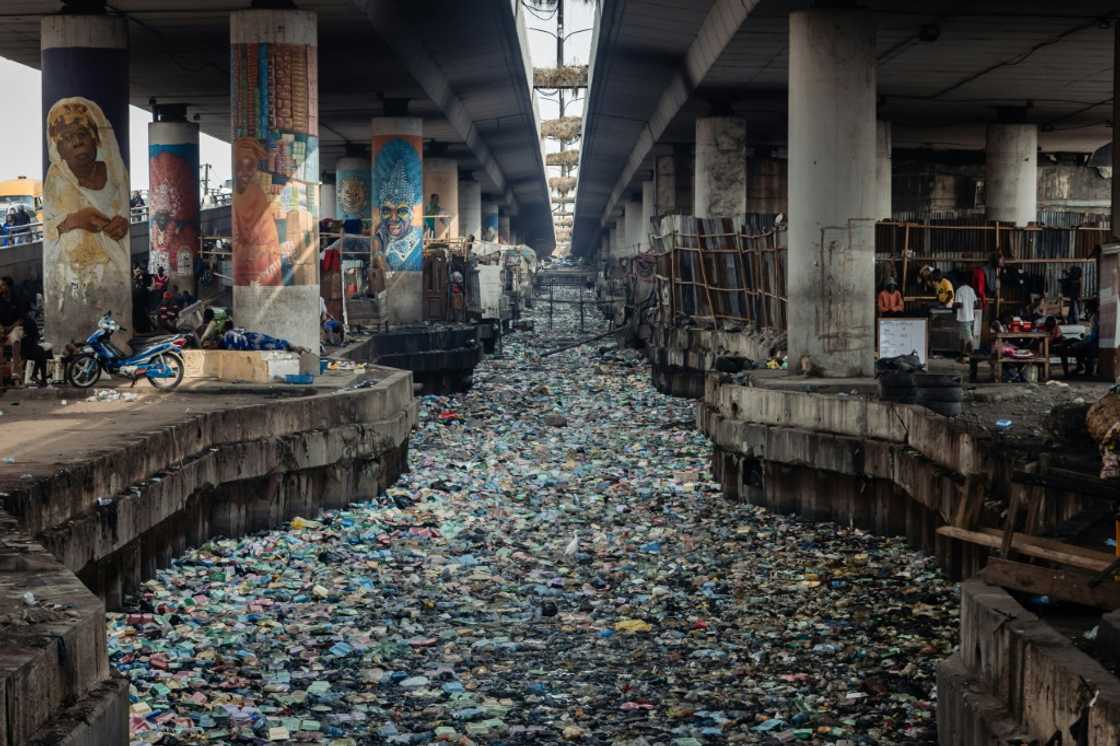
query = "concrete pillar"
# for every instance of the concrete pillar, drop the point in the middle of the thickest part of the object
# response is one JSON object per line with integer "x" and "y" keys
{"x": 618, "y": 237}
{"x": 1011, "y": 173}
{"x": 634, "y": 232}
{"x": 86, "y": 263}
{"x": 491, "y": 222}
{"x": 1108, "y": 355}
{"x": 721, "y": 167}
{"x": 351, "y": 192}
{"x": 276, "y": 177}
{"x": 503, "y": 224}
{"x": 832, "y": 190}
{"x": 649, "y": 211}
{"x": 441, "y": 195}
{"x": 470, "y": 208}
{"x": 767, "y": 185}
{"x": 672, "y": 178}
{"x": 173, "y": 200}
{"x": 327, "y": 196}
{"x": 883, "y": 146}
{"x": 397, "y": 201}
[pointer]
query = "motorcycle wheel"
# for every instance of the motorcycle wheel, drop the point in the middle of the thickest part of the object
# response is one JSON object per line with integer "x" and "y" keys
{"x": 83, "y": 371}
{"x": 174, "y": 361}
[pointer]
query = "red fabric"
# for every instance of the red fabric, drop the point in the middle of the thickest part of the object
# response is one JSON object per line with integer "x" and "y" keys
{"x": 979, "y": 284}
{"x": 332, "y": 261}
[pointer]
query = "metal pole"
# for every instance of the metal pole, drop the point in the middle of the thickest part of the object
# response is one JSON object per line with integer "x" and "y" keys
{"x": 581, "y": 309}
{"x": 550, "y": 289}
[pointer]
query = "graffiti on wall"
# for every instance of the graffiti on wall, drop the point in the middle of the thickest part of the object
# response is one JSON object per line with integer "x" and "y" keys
{"x": 85, "y": 200}
{"x": 276, "y": 165}
{"x": 173, "y": 207}
{"x": 398, "y": 201}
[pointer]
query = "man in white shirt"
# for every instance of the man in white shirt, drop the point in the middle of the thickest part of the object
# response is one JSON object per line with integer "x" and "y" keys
{"x": 965, "y": 303}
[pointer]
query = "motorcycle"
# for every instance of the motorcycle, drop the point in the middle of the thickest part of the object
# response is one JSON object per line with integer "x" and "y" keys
{"x": 161, "y": 363}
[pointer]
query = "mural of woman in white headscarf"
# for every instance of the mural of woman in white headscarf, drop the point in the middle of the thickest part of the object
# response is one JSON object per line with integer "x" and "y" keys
{"x": 86, "y": 196}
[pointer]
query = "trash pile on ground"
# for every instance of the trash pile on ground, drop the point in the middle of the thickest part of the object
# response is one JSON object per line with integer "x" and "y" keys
{"x": 556, "y": 568}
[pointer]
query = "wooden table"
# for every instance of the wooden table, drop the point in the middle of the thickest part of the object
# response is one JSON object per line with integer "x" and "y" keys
{"x": 1043, "y": 359}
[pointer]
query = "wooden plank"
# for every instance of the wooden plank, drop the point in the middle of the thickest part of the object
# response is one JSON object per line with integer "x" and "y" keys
{"x": 1065, "y": 480}
{"x": 971, "y": 502}
{"x": 1103, "y": 558}
{"x": 1012, "y": 519}
{"x": 1060, "y": 585}
{"x": 1027, "y": 545}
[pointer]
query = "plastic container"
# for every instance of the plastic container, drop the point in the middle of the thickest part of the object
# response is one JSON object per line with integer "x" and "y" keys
{"x": 301, "y": 378}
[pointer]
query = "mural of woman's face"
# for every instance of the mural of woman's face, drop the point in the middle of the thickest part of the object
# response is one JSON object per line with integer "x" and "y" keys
{"x": 77, "y": 145}
{"x": 245, "y": 169}
{"x": 398, "y": 218}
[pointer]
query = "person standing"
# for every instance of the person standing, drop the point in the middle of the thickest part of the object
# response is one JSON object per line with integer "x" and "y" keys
{"x": 964, "y": 300}
{"x": 943, "y": 287}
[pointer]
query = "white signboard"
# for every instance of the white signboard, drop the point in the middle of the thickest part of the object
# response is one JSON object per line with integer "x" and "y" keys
{"x": 902, "y": 336}
{"x": 490, "y": 290}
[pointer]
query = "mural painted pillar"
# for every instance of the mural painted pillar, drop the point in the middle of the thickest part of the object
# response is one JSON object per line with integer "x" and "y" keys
{"x": 396, "y": 189}
{"x": 173, "y": 200}
{"x": 470, "y": 208}
{"x": 352, "y": 205}
{"x": 86, "y": 253}
{"x": 490, "y": 220}
{"x": 503, "y": 224}
{"x": 441, "y": 195}
{"x": 275, "y": 114}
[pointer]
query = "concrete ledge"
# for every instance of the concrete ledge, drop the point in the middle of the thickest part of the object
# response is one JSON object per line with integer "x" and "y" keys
{"x": 232, "y": 365}
{"x": 98, "y": 719}
{"x": 967, "y": 715}
{"x": 50, "y": 657}
{"x": 73, "y": 488}
{"x": 916, "y": 427}
{"x": 681, "y": 357}
{"x": 1047, "y": 684}
{"x": 96, "y": 534}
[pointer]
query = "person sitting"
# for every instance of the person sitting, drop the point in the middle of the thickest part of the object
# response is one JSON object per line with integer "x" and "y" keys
{"x": 11, "y": 327}
{"x": 890, "y": 299}
{"x": 31, "y": 347}
{"x": 167, "y": 315}
{"x": 1085, "y": 350}
{"x": 209, "y": 334}
{"x": 331, "y": 327}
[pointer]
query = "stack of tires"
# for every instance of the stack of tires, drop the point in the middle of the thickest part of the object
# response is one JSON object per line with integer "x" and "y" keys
{"x": 938, "y": 392}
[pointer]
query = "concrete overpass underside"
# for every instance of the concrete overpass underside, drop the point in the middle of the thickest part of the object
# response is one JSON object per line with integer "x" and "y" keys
{"x": 462, "y": 67}
{"x": 944, "y": 71}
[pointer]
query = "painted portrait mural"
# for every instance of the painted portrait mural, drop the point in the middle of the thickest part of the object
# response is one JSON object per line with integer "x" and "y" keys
{"x": 276, "y": 165}
{"x": 397, "y": 191}
{"x": 490, "y": 223}
{"x": 85, "y": 203}
{"x": 173, "y": 208}
{"x": 352, "y": 190}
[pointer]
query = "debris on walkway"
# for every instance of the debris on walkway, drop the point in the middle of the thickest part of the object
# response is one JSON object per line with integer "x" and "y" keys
{"x": 556, "y": 568}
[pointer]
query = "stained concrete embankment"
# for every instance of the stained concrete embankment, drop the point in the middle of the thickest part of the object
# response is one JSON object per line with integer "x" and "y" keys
{"x": 98, "y": 495}
{"x": 802, "y": 448}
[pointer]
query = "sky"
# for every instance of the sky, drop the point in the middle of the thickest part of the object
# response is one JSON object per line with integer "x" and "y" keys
{"x": 21, "y": 134}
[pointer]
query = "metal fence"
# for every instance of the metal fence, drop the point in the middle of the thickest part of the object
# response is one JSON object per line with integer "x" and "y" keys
{"x": 712, "y": 271}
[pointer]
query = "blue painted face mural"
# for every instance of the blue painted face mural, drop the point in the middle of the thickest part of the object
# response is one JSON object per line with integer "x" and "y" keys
{"x": 397, "y": 198}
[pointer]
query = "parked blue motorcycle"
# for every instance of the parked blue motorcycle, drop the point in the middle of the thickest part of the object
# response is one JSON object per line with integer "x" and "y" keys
{"x": 161, "y": 363}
